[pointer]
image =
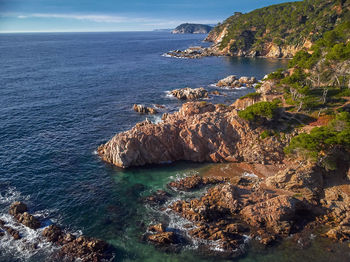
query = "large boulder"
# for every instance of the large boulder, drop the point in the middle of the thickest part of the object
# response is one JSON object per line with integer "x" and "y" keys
{"x": 17, "y": 208}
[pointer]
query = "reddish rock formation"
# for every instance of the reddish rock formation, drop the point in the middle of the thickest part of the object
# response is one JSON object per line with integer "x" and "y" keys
{"x": 199, "y": 132}
{"x": 305, "y": 179}
{"x": 232, "y": 81}
{"x": 162, "y": 238}
{"x": 195, "y": 182}
{"x": 82, "y": 248}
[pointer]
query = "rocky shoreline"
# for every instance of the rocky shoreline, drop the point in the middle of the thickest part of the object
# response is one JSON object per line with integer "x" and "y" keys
{"x": 297, "y": 197}
{"x": 69, "y": 247}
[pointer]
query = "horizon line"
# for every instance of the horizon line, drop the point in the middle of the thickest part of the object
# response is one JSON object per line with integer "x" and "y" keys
{"x": 90, "y": 31}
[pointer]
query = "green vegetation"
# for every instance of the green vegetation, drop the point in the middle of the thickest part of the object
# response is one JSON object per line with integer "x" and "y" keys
{"x": 255, "y": 112}
{"x": 251, "y": 95}
{"x": 277, "y": 75}
{"x": 283, "y": 24}
{"x": 266, "y": 134}
{"x": 322, "y": 141}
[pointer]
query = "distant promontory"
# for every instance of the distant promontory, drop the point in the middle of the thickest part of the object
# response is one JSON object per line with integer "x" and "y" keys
{"x": 192, "y": 29}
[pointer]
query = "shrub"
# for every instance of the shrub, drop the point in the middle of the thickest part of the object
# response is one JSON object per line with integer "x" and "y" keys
{"x": 260, "y": 110}
{"x": 266, "y": 134}
{"x": 322, "y": 140}
{"x": 251, "y": 95}
{"x": 277, "y": 75}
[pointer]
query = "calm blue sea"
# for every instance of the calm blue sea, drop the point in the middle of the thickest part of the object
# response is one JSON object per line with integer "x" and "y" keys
{"x": 61, "y": 96}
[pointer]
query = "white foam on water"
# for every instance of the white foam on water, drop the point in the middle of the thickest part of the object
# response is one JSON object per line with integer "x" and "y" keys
{"x": 11, "y": 195}
{"x": 169, "y": 95}
{"x": 31, "y": 243}
{"x": 156, "y": 119}
{"x": 173, "y": 56}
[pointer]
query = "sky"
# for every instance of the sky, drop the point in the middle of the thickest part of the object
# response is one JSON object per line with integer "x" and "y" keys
{"x": 116, "y": 15}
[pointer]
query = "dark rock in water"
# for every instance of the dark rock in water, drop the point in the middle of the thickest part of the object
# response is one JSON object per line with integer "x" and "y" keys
{"x": 86, "y": 249}
{"x": 195, "y": 182}
{"x": 19, "y": 211}
{"x": 162, "y": 238}
{"x": 157, "y": 198}
{"x": 144, "y": 109}
{"x": 13, "y": 232}
{"x": 17, "y": 208}
{"x": 28, "y": 220}
{"x": 157, "y": 228}
{"x": 53, "y": 233}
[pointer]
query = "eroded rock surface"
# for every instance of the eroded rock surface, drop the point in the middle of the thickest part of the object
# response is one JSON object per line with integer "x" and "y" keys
{"x": 199, "y": 132}
{"x": 195, "y": 182}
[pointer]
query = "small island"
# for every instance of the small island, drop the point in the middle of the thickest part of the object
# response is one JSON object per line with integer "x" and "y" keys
{"x": 192, "y": 29}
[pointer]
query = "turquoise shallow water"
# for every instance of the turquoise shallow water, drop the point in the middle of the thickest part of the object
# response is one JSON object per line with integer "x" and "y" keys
{"x": 61, "y": 96}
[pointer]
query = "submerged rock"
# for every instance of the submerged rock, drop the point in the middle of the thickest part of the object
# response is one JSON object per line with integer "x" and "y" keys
{"x": 157, "y": 198}
{"x": 189, "y": 93}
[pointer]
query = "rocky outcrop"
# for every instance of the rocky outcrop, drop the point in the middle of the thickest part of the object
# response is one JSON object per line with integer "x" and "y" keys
{"x": 275, "y": 213}
{"x": 192, "y": 29}
{"x": 199, "y": 132}
{"x": 82, "y": 248}
{"x": 19, "y": 211}
{"x": 189, "y": 93}
{"x": 233, "y": 81}
{"x": 194, "y": 52}
{"x": 144, "y": 109}
{"x": 305, "y": 179}
{"x": 195, "y": 182}
{"x": 228, "y": 213}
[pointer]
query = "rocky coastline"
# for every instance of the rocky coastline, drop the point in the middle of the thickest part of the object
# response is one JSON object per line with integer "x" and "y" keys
{"x": 298, "y": 197}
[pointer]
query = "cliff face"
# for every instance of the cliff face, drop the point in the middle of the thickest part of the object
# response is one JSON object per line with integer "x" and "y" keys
{"x": 278, "y": 31}
{"x": 198, "y": 132}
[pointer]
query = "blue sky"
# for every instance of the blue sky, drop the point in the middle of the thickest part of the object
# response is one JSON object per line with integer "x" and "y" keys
{"x": 116, "y": 15}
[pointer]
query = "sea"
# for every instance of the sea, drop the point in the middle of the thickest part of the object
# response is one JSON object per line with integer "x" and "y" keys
{"x": 64, "y": 94}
